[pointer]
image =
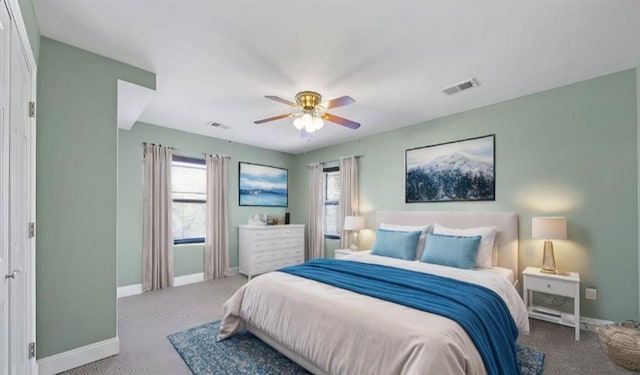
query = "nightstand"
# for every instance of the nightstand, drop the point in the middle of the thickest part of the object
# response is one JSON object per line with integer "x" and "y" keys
{"x": 341, "y": 253}
{"x": 563, "y": 284}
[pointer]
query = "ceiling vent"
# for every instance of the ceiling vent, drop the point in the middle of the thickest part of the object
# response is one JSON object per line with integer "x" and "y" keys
{"x": 461, "y": 86}
{"x": 218, "y": 125}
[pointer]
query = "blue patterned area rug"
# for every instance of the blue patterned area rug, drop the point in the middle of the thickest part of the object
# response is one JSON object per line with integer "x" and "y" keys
{"x": 246, "y": 354}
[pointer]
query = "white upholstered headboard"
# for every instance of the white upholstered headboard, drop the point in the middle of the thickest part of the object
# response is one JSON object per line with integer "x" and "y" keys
{"x": 505, "y": 222}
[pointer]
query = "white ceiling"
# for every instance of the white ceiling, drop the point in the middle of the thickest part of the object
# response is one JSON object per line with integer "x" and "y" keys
{"x": 215, "y": 60}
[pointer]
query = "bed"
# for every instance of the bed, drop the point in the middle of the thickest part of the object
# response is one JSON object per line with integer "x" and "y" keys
{"x": 330, "y": 330}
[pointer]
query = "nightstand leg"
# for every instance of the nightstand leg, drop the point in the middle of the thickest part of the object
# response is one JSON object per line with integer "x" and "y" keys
{"x": 525, "y": 293}
{"x": 576, "y": 310}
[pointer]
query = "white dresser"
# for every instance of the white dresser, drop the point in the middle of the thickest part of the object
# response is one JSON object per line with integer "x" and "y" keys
{"x": 267, "y": 248}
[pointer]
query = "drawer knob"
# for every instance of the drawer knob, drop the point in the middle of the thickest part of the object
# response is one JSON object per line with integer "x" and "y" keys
{"x": 548, "y": 285}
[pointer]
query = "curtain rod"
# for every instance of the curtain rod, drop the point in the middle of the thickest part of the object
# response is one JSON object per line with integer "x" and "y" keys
{"x": 177, "y": 149}
{"x": 337, "y": 161}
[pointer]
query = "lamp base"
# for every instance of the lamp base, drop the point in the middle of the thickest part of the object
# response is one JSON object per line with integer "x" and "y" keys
{"x": 555, "y": 272}
{"x": 548, "y": 260}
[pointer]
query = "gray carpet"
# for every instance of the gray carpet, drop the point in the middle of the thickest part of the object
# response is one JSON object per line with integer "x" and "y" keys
{"x": 146, "y": 320}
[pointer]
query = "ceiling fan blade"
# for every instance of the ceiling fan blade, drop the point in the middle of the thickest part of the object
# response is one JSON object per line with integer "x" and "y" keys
{"x": 337, "y": 102}
{"x": 283, "y": 101}
{"x": 274, "y": 118}
{"x": 340, "y": 121}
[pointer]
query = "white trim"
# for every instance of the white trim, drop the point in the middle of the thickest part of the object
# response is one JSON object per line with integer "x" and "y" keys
{"x": 135, "y": 289}
{"x": 80, "y": 356}
{"x": 638, "y": 167}
{"x": 188, "y": 279}
{"x": 129, "y": 290}
{"x": 16, "y": 16}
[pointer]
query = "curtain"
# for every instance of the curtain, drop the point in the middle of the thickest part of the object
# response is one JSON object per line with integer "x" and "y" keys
{"x": 349, "y": 197}
{"x": 315, "y": 239}
{"x": 216, "y": 245}
{"x": 157, "y": 246}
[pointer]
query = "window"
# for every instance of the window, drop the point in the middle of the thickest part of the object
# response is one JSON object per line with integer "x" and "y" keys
{"x": 331, "y": 202}
{"x": 189, "y": 194}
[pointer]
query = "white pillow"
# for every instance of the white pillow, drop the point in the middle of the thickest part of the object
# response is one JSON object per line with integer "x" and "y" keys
{"x": 410, "y": 228}
{"x": 485, "y": 251}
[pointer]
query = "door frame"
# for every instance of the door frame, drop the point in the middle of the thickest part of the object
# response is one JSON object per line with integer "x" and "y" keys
{"x": 16, "y": 17}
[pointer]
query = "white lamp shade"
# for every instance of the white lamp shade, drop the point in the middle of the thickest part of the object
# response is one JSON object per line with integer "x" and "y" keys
{"x": 353, "y": 223}
{"x": 549, "y": 228}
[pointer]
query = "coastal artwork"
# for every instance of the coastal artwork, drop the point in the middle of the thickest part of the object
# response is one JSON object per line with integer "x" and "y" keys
{"x": 454, "y": 171}
{"x": 262, "y": 185}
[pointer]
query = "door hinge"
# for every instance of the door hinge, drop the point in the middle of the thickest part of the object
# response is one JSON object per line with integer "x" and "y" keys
{"x": 32, "y": 350}
{"x": 32, "y": 229}
{"x": 32, "y": 109}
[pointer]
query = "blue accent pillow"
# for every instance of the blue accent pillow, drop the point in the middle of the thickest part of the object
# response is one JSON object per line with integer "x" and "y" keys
{"x": 396, "y": 244}
{"x": 452, "y": 251}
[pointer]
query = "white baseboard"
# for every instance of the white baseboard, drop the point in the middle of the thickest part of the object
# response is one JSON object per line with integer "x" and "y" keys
{"x": 68, "y": 360}
{"x": 188, "y": 279}
{"x": 132, "y": 290}
{"x": 129, "y": 290}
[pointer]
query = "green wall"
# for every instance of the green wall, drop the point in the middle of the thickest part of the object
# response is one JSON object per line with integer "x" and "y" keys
{"x": 76, "y": 195}
{"x": 188, "y": 259}
{"x": 33, "y": 32}
{"x": 569, "y": 151}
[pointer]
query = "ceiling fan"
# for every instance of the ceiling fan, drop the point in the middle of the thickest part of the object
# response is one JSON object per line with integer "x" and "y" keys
{"x": 312, "y": 112}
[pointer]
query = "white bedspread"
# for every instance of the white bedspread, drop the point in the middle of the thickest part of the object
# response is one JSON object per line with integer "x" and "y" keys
{"x": 342, "y": 332}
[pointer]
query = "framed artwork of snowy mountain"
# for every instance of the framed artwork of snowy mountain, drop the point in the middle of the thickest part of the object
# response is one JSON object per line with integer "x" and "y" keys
{"x": 453, "y": 171}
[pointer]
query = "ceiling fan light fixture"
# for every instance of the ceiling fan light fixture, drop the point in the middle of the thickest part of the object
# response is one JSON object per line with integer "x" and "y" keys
{"x": 317, "y": 123}
{"x": 309, "y": 127}
{"x": 312, "y": 112}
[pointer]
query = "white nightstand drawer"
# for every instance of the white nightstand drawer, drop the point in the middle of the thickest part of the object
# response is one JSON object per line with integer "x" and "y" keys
{"x": 558, "y": 287}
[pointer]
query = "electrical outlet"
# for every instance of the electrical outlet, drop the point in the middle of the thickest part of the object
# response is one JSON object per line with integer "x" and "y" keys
{"x": 591, "y": 293}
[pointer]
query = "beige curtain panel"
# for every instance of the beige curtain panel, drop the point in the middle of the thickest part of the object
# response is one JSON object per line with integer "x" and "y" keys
{"x": 157, "y": 246}
{"x": 216, "y": 246}
{"x": 349, "y": 196}
{"x": 315, "y": 241}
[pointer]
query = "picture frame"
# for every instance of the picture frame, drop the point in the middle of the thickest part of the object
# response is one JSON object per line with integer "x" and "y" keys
{"x": 462, "y": 170}
{"x": 262, "y": 185}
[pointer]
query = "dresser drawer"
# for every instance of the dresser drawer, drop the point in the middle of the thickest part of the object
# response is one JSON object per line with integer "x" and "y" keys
{"x": 267, "y": 256}
{"x": 294, "y": 232}
{"x": 262, "y": 234}
{"x": 274, "y": 244}
{"x": 559, "y": 287}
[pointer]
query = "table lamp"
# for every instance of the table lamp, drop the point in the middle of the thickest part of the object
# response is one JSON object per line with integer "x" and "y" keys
{"x": 354, "y": 223}
{"x": 549, "y": 228}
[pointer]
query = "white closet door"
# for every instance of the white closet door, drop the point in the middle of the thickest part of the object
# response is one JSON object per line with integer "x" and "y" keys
{"x": 5, "y": 48}
{"x": 20, "y": 199}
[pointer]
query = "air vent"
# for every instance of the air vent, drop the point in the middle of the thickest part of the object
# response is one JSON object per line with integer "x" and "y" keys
{"x": 461, "y": 86}
{"x": 218, "y": 125}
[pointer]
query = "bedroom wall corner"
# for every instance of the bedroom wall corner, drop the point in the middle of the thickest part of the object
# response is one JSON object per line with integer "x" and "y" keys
{"x": 76, "y": 195}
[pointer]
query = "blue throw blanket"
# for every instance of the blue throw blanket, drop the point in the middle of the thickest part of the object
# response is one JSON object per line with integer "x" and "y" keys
{"x": 478, "y": 310}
